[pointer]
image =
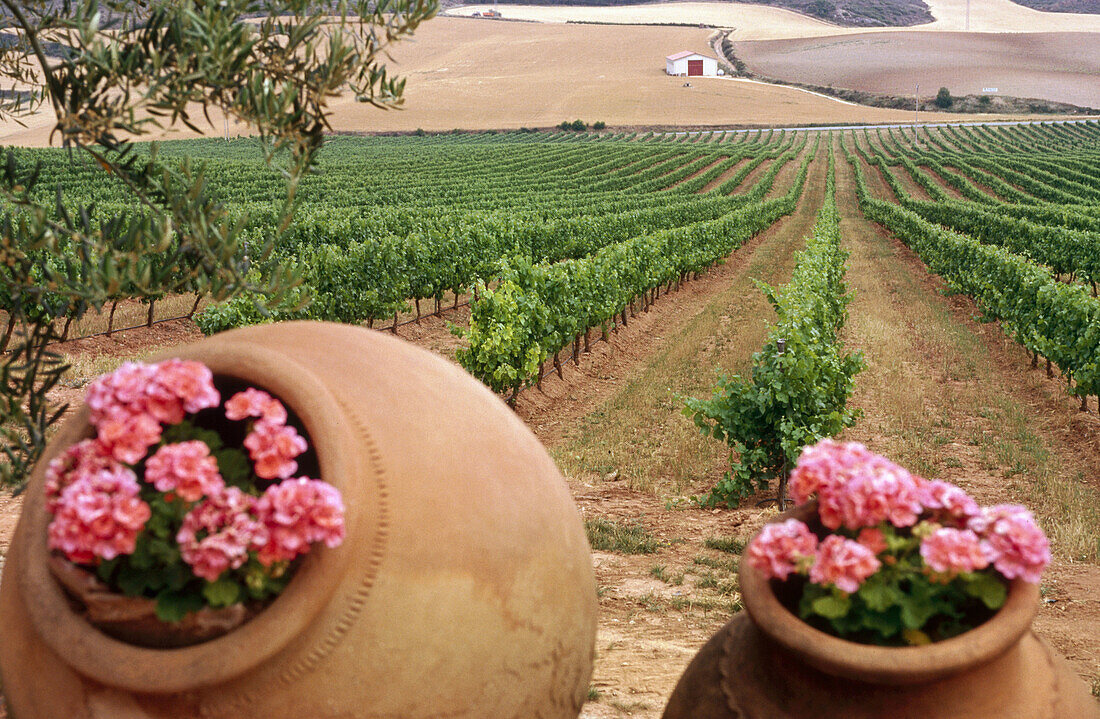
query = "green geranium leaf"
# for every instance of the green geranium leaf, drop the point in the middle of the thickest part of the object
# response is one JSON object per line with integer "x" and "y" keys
{"x": 174, "y": 606}
{"x": 135, "y": 582}
{"x": 234, "y": 467}
{"x": 832, "y": 606}
{"x": 185, "y": 431}
{"x": 876, "y": 594}
{"x": 107, "y": 568}
{"x": 987, "y": 588}
{"x": 916, "y": 611}
{"x": 222, "y": 593}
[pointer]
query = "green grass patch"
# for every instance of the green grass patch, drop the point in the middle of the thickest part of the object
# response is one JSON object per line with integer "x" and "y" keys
{"x": 608, "y": 536}
{"x": 732, "y": 545}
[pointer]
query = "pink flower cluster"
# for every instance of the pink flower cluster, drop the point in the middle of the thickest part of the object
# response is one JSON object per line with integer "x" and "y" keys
{"x": 98, "y": 515}
{"x": 950, "y": 551}
{"x": 780, "y": 547}
{"x": 783, "y": 548}
{"x": 949, "y": 503}
{"x": 843, "y": 563}
{"x": 855, "y": 487}
{"x": 218, "y": 533}
{"x": 130, "y": 405}
{"x": 859, "y": 490}
{"x": 83, "y": 459}
{"x": 94, "y": 494}
{"x": 185, "y": 468}
{"x": 297, "y": 513}
{"x": 1012, "y": 541}
{"x": 272, "y": 444}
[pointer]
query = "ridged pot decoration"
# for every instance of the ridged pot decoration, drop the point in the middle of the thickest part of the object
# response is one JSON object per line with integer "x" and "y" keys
{"x": 767, "y": 663}
{"x": 463, "y": 588}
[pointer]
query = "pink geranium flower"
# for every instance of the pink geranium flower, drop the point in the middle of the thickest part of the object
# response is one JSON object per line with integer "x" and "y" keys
{"x": 951, "y": 551}
{"x": 843, "y": 563}
{"x": 129, "y": 406}
{"x": 873, "y": 538}
{"x": 192, "y": 383}
{"x": 80, "y": 460}
{"x": 127, "y": 437}
{"x": 98, "y": 516}
{"x": 273, "y": 448}
{"x": 824, "y": 467}
{"x": 255, "y": 403}
{"x": 296, "y": 513}
{"x": 1012, "y": 541}
{"x": 879, "y": 492}
{"x": 779, "y": 547}
{"x": 120, "y": 393}
{"x": 186, "y": 468}
{"x": 949, "y": 499}
{"x": 217, "y": 533}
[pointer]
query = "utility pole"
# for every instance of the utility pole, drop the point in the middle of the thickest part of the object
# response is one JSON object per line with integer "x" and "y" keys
{"x": 916, "y": 110}
{"x": 968, "y": 15}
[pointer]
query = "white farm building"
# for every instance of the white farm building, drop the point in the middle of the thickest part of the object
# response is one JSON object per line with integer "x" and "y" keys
{"x": 691, "y": 64}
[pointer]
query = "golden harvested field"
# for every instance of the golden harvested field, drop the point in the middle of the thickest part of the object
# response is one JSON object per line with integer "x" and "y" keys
{"x": 485, "y": 74}
{"x": 755, "y": 22}
{"x": 475, "y": 74}
{"x": 1054, "y": 66}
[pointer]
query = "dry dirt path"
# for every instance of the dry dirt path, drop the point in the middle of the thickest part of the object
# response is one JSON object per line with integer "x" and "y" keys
{"x": 629, "y": 453}
{"x": 953, "y": 399}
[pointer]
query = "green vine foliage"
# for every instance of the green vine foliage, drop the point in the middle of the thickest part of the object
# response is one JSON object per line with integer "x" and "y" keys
{"x": 800, "y": 396}
{"x": 1052, "y": 319}
{"x": 539, "y": 308}
{"x": 128, "y": 71}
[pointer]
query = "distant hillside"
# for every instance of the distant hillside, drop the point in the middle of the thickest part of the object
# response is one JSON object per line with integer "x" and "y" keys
{"x": 851, "y": 13}
{"x": 1085, "y": 6}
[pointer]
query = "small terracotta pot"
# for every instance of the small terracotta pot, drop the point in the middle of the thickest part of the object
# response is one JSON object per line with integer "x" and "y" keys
{"x": 464, "y": 587}
{"x": 767, "y": 663}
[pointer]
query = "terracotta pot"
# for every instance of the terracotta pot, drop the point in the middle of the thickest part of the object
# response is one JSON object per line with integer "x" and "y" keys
{"x": 464, "y": 587}
{"x": 134, "y": 619}
{"x": 769, "y": 664}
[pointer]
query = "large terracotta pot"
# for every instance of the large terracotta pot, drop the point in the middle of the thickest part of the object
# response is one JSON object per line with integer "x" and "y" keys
{"x": 464, "y": 587}
{"x": 769, "y": 664}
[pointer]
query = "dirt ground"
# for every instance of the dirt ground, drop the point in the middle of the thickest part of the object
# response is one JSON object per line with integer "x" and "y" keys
{"x": 1051, "y": 66}
{"x": 756, "y": 22}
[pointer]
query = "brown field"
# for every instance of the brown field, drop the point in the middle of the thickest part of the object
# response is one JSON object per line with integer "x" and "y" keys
{"x": 756, "y": 22}
{"x": 1053, "y": 66}
{"x": 481, "y": 74}
{"x": 484, "y": 74}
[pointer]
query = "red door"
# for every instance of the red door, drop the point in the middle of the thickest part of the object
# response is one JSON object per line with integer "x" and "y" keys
{"x": 695, "y": 67}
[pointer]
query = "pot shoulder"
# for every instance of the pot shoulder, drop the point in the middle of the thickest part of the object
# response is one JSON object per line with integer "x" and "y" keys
{"x": 759, "y": 679}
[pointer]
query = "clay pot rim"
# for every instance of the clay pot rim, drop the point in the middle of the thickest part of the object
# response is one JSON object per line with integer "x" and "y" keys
{"x": 145, "y": 670}
{"x": 885, "y": 665}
